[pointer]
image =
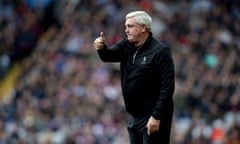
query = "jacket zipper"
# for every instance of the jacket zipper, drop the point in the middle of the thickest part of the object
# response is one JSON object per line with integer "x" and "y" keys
{"x": 134, "y": 55}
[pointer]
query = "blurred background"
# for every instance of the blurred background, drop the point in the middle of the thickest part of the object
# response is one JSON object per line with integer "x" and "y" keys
{"x": 55, "y": 90}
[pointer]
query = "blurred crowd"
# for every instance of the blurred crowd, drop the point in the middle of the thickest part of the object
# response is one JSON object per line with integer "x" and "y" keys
{"x": 66, "y": 95}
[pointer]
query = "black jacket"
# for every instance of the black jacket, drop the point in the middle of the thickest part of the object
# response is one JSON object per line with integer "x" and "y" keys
{"x": 147, "y": 76}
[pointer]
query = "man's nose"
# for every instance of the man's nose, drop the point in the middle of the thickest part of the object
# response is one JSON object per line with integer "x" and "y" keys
{"x": 126, "y": 30}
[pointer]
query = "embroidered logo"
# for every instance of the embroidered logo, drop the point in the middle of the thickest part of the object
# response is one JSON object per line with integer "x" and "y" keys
{"x": 144, "y": 60}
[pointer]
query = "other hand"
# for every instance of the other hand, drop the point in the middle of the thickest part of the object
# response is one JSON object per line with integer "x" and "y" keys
{"x": 152, "y": 125}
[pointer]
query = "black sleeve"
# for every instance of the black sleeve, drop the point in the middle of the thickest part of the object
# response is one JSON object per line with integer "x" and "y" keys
{"x": 165, "y": 66}
{"x": 112, "y": 54}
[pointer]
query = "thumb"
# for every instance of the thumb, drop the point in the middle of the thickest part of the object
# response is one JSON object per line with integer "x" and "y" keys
{"x": 102, "y": 35}
{"x": 148, "y": 130}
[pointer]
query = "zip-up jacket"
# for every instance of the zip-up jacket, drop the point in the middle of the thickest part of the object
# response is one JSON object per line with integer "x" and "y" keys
{"x": 147, "y": 76}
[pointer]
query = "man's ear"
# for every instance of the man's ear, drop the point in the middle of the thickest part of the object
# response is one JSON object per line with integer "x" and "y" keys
{"x": 144, "y": 28}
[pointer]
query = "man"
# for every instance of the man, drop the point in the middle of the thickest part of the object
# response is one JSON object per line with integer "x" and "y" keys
{"x": 147, "y": 79}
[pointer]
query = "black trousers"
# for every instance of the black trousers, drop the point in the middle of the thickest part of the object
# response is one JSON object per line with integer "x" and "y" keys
{"x": 138, "y": 132}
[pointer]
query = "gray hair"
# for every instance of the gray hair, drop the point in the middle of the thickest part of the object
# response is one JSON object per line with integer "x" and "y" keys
{"x": 141, "y": 18}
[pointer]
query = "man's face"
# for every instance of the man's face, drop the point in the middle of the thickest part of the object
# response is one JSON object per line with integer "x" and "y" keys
{"x": 133, "y": 30}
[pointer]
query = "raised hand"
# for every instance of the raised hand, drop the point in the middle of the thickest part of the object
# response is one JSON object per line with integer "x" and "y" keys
{"x": 99, "y": 42}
